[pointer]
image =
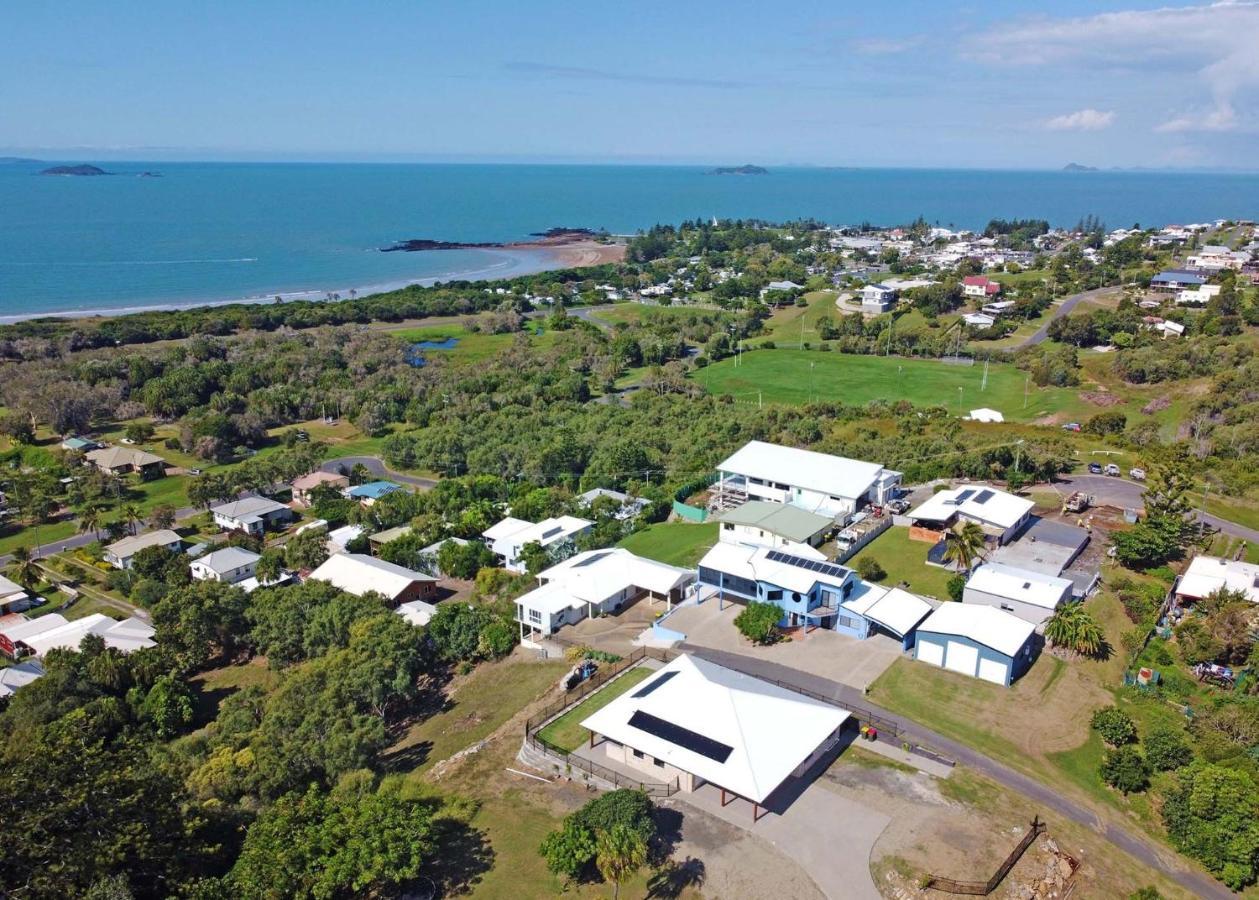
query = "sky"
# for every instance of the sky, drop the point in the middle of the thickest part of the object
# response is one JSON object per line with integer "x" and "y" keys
{"x": 899, "y": 83}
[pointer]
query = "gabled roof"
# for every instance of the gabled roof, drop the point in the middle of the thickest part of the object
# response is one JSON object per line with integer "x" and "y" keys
{"x": 1036, "y": 588}
{"x": 597, "y": 574}
{"x": 787, "y": 569}
{"x": 312, "y": 480}
{"x": 48, "y": 633}
{"x": 896, "y": 610}
{"x": 984, "y": 504}
{"x": 358, "y": 574}
{"x": 8, "y": 588}
{"x": 14, "y": 677}
{"x": 837, "y": 476}
{"x": 373, "y": 490}
{"x": 248, "y": 506}
{"x": 417, "y": 612}
{"x": 227, "y": 559}
{"x": 546, "y": 532}
{"x": 113, "y": 457}
{"x": 1208, "y": 574}
{"x": 985, "y": 625}
{"x": 130, "y": 546}
{"x": 782, "y": 519}
{"x": 736, "y": 731}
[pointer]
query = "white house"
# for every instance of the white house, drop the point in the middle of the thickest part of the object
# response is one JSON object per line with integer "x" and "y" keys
{"x": 509, "y": 537}
{"x": 979, "y": 320}
{"x": 877, "y": 298}
{"x": 1032, "y": 596}
{"x": 252, "y": 515}
{"x": 985, "y": 414}
{"x": 359, "y": 574}
{"x": 694, "y": 721}
{"x": 597, "y": 582}
{"x": 630, "y": 506}
{"x": 1199, "y": 296}
{"x": 417, "y": 612}
{"x": 1208, "y": 574}
{"x": 760, "y": 523}
{"x": 999, "y": 308}
{"x": 228, "y": 565}
{"x": 120, "y": 553}
{"x": 999, "y": 513}
{"x": 35, "y": 637}
{"x": 819, "y": 482}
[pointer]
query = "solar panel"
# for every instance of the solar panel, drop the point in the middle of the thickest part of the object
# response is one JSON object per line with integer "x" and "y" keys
{"x": 812, "y": 565}
{"x": 550, "y": 531}
{"x": 964, "y": 496}
{"x": 652, "y": 685}
{"x": 984, "y": 496}
{"x": 681, "y": 737}
{"x": 593, "y": 558}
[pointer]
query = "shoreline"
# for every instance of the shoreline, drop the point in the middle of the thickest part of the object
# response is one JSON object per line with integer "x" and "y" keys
{"x": 514, "y": 260}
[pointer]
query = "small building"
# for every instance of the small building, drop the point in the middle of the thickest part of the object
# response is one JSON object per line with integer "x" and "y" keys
{"x": 417, "y": 612}
{"x": 339, "y": 539}
{"x": 877, "y": 298}
{"x": 980, "y": 641}
{"x": 1208, "y": 574}
{"x": 35, "y": 637}
{"x": 303, "y": 486}
{"x": 985, "y": 414}
{"x": 252, "y": 515}
{"x": 695, "y": 722}
{"x": 979, "y": 320}
{"x": 1173, "y": 280}
{"x": 1199, "y": 296}
{"x": 879, "y": 610}
{"x": 760, "y": 523}
{"x": 120, "y": 553}
{"x": 980, "y": 286}
{"x": 124, "y": 460}
{"x": 1032, "y": 596}
{"x": 1170, "y": 329}
{"x": 76, "y": 444}
{"x": 227, "y": 564}
{"x": 999, "y": 308}
{"x": 828, "y": 485}
{"x": 597, "y": 582}
{"x": 19, "y": 676}
{"x": 13, "y": 597}
{"x": 631, "y": 507}
{"x": 1001, "y": 515}
{"x": 359, "y": 574}
{"x": 508, "y": 538}
{"x": 367, "y": 494}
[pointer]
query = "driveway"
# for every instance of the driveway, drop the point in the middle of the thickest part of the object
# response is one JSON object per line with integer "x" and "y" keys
{"x": 1063, "y": 309}
{"x": 1125, "y": 494}
{"x": 825, "y": 654}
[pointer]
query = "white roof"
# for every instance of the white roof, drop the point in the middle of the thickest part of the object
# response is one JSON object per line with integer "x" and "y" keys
{"x": 246, "y": 507}
{"x": 837, "y": 476}
{"x": 23, "y": 628}
{"x": 358, "y": 574}
{"x": 894, "y": 609}
{"x": 1207, "y": 574}
{"x": 545, "y": 533}
{"x": 8, "y": 588}
{"x": 417, "y": 612}
{"x": 14, "y": 677}
{"x": 987, "y": 625}
{"x": 985, "y": 414}
{"x": 762, "y": 731}
{"x": 977, "y": 502}
{"x": 1013, "y": 583}
{"x": 754, "y": 564}
{"x": 505, "y": 528}
{"x": 130, "y": 634}
{"x": 226, "y": 559}
{"x": 130, "y": 546}
{"x": 346, "y": 533}
{"x": 597, "y": 574}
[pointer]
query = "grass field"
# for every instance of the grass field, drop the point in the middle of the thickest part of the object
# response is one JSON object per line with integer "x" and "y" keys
{"x": 906, "y": 560}
{"x": 675, "y": 543}
{"x": 798, "y": 376}
{"x": 566, "y": 731}
{"x": 787, "y": 326}
{"x": 473, "y": 346}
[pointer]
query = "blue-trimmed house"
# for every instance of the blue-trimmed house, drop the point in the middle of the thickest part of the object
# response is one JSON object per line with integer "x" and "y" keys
{"x": 371, "y": 491}
{"x": 980, "y": 641}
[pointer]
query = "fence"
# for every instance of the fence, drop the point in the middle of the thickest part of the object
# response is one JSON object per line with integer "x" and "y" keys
{"x": 984, "y": 888}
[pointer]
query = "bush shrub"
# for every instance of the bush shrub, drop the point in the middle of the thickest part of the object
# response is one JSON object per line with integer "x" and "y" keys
{"x": 758, "y": 622}
{"x": 1126, "y": 770}
{"x": 1166, "y": 749}
{"x": 956, "y": 588}
{"x": 1114, "y": 725}
{"x": 870, "y": 569}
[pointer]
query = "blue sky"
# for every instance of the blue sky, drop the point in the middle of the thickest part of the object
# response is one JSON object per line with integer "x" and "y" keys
{"x": 824, "y": 83}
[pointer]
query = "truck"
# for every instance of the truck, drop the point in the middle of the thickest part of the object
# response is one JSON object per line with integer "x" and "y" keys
{"x": 1077, "y": 502}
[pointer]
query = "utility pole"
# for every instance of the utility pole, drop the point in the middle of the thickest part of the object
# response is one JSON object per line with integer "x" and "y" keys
{"x": 1027, "y": 381}
{"x": 983, "y": 385}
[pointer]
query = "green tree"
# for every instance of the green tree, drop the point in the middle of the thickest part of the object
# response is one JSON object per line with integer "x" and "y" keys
{"x": 870, "y": 569}
{"x": 1114, "y": 725}
{"x": 535, "y": 557}
{"x": 457, "y": 560}
{"x": 1212, "y": 814}
{"x": 1074, "y": 628}
{"x": 455, "y": 630}
{"x": 568, "y": 850}
{"x": 956, "y": 587}
{"x": 619, "y": 853}
{"x": 1167, "y": 749}
{"x": 306, "y": 551}
{"x": 270, "y": 565}
{"x": 167, "y": 707}
{"x": 758, "y": 622}
{"x": 132, "y": 516}
{"x": 90, "y": 520}
{"x": 1125, "y": 769}
{"x": 202, "y": 620}
{"x": 162, "y": 516}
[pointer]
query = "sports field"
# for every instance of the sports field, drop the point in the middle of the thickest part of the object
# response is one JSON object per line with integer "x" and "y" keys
{"x": 801, "y": 376}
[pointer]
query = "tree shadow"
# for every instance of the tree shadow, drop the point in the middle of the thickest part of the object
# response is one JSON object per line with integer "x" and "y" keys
{"x": 462, "y": 856}
{"x": 669, "y": 881}
{"x": 408, "y": 758}
{"x": 668, "y": 834}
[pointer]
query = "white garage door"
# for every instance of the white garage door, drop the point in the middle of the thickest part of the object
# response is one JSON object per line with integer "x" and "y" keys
{"x": 931, "y": 653}
{"x": 961, "y": 658}
{"x": 993, "y": 670}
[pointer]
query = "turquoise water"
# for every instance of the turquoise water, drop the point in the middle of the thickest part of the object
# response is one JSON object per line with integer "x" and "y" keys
{"x": 212, "y": 231}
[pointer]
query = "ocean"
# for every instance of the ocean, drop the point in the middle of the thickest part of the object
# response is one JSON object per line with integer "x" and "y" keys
{"x": 212, "y": 232}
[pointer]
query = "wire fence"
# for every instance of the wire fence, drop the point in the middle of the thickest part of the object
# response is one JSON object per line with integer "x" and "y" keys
{"x": 984, "y": 888}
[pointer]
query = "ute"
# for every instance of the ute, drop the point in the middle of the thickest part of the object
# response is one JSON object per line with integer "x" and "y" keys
{"x": 1112, "y": 470}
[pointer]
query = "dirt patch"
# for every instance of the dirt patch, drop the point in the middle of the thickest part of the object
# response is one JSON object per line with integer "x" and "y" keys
{"x": 1158, "y": 404}
{"x": 1100, "y": 398}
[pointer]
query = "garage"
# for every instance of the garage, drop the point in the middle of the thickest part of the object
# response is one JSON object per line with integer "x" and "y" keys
{"x": 993, "y": 670}
{"x": 961, "y": 658}
{"x": 931, "y": 652}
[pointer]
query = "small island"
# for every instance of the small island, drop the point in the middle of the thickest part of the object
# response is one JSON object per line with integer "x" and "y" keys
{"x": 79, "y": 170}
{"x": 1076, "y": 167}
{"x": 739, "y": 170}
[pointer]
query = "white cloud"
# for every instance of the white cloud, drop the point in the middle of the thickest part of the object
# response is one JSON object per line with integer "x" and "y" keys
{"x": 886, "y": 46}
{"x": 1215, "y": 43}
{"x": 1082, "y": 120}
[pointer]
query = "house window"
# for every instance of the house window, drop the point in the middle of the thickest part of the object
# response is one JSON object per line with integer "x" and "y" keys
{"x": 535, "y": 617}
{"x": 658, "y": 763}
{"x": 848, "y": 622}
{"x": 726, "y": 526}
{"x": 773, "y": 595}
{"x": 638, "y": 754}
{"x": 1007, "y": 607}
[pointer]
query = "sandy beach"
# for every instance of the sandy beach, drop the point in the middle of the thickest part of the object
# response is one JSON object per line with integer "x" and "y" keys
{"x": 578, "y": 254}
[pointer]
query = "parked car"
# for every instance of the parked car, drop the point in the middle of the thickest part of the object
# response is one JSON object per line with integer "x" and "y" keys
{"x": 1136, "y": 474}
{"x": 896, "y": 507}
{"x": 194, "y": 471}
{"x": 1112, "y": 470}
{"x": 1095, "y": 468}
{"x": 1071, "y": 426}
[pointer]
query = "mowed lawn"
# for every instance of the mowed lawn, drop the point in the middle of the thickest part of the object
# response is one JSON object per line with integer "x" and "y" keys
{"x": 566, "y": 731}
{"x": 674, "y": 543}
{"x": 799, "y": 376}
{"x": 906, "y": 560}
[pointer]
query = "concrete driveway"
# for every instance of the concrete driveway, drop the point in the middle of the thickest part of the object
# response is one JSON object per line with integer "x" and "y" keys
{"x": 823, "y": 653}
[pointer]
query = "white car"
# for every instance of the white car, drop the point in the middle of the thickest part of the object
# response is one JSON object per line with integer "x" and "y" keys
{"x": 1136, "y": 474}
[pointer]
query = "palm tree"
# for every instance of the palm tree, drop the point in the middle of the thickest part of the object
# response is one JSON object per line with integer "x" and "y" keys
{"x": 963, "y": 544}
{"x": 619, "y": 853}
{"x": 90, "y": 520}
{"x": 1074, "y": 629}
{"x": 25, "y": 568}
{"x": 132, "y": 516}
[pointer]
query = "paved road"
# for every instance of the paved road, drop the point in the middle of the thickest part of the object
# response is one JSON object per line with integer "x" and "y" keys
{"x": 1125, "y": 494}
{"x": 1059, "y": 311}
{"x": 1162, "y": 859}
{"x": 377, "y": 467}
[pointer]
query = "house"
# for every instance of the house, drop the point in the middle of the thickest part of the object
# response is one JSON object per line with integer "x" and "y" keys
{"x": 367, "y": 494}
{"x": 808, "y": 590}
{"x": 508, "y": 538}
{"x": 781, "y": 287}
{"x": 979, "y": 320}
{"x": 980, "y": 286}
{"x": 1000, "y": 308}
{"x": 1214, "y": 257}
{"x": 122, "y": 460}
{"x": 359, "y": 574}
{"x": 77, "y": 444}
{"x": 980, "y": 641}
{"x": 630, "y": 506}
{"x": 1000, "y": 514}
{"x": 1208, "y": 574}
{"x": 985, "y": 415}
{"x": 694, "y": 722}
{"x": 120, "y": 553}
{"x": 380, "y": 538}
{"x": 1173, "y": 280}
{"x": 228, "y": 565}
{"x": 877, "y": 298}
{"x": 417, "y": 612}
{"x": 35, "y": 637}
{"x": 13, "y": 597}
{"x": 761, "y": 523}
{"x": 1199, "y": 296}
{"x": 1170, "y": 329}
{"x": 819, "y": 482}
{"x": 339, "y": 539}
{"x": 879, "y": 610}
{"x": 19, "y": 676}
{"x": 597, "y": 582}
{"x": 1032, "y": 596}
{"x": 252, "y": 515}
{"x": 302, "y": 487}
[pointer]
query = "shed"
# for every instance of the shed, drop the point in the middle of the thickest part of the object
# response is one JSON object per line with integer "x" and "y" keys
{"x": 980, "y": 641}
